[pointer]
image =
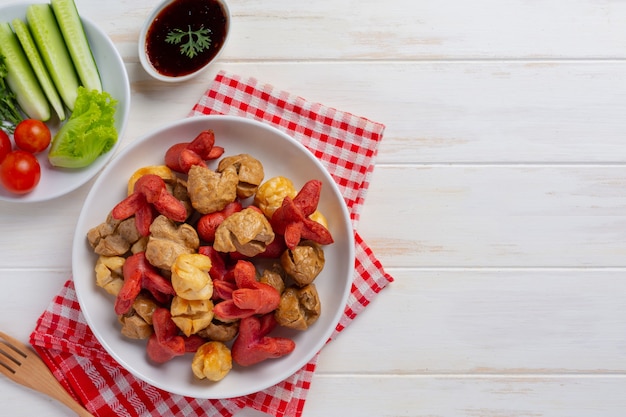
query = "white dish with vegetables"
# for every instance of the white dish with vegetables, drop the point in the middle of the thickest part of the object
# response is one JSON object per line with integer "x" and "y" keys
{"x": 280, "y": 156}
{"x": 60, "y": 177}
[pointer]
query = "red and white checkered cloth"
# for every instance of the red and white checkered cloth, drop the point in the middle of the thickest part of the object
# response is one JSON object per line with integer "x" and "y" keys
{"x": 347, "y": 145}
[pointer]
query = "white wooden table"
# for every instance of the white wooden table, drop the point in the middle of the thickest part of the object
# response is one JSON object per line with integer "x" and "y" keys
{"x": 498, "y": 202}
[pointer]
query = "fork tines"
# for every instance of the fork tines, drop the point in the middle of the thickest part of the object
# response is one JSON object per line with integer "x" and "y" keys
{"x": 10, "y": 350}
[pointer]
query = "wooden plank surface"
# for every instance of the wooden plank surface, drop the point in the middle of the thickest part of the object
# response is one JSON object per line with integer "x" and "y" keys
{"x": 498, "y": 201}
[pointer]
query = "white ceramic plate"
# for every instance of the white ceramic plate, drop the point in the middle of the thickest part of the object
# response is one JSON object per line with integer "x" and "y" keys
{"x": 56, "y": 182}
{"x": 280, "y": 155}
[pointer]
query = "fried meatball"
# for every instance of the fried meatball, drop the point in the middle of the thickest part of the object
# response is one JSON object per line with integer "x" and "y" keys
{"x": 304, "y": 262}
{"x": 299, "y": 308}
{"x": 210, "y": 191}
{"x": 168, "y": 240}
{"x": 212, "y": 361}
{"x": 247, "y": 232}
{"x": 249, "y": 172}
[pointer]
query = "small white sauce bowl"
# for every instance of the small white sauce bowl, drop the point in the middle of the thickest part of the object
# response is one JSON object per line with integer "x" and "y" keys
{"x": 143, "y": 53}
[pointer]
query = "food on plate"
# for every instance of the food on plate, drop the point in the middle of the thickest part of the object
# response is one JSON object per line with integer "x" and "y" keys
{"x": 247, "y": 232}
{"x": 165, "y": 342}
{"x": 190, "y": 277}
{"x": 10, "y": 114}
{"x": 304, "y": 262}
{"x": 134, "y": 327}
{"x": 113, "y": 237}
{"x": 32, "y": 136}
{"x": 137, "y": 323}
{"x": 48, "y": 58}
{"x": 211, "y": 263}
{"x": 36, "y": 62}
{"x": 274, "y": 276}
{"x": 71, "y": 27}
{"x": 150, "y": 198}
{"x": 212, "y": 361}
{"x": 20, "y": 80}
{"x": 220, "y": 331}
{"x": 211, "y": 191}
{"x": 51, "y": 45}
{"x": 249, "y": 297}
{"x": 161, "y": 170}
{"x": 88, "y": 133}
{"x": 168, "y": 240}
{"x": 191, "y": 316}
{"x": 271, "y": 193}
{"x": 249, "y": 171}
{"x": 207, "y": 224}
{"x": 299, "y": 307}
{"x": 180, "y": 157}
{"x": 109, "y": 273}
{"x": 292, "y": 219}
{"x": 20, "y": 172}
{"x": 140, "y": 275}
{"x": 5, "y": 145}
{"x": 253, "y": 345}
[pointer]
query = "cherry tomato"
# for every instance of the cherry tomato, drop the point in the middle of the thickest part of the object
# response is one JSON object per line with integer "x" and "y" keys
{"x": 32, "y": 135}
{"x": 5, "y": 145}
{"x": 20, "y": 172}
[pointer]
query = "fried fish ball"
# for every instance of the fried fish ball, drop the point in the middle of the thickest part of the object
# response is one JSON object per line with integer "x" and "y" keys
{"x": 247, "y": 232}
{"x": 304, "y": 262}
{"x": 220, "y": 331}
{"x": 299, "y": 308}
{"x": 271, "y": 193}
{"x": 137, "y": 323}
{"x": 109, "y": 273}
{"x": 191, "y": 316}
{"x": 212, "y": 361}
{"x": 190, "y": 276}
{"x": 274, "y": 277}
{"x": 113, "y": 237}
{"x": 144, "y": 306}
{"x": 249, "y": 171}
{"x": 134, "y": 327}
{"x": 211, "y": 191}
{"x": 168, "y": 240}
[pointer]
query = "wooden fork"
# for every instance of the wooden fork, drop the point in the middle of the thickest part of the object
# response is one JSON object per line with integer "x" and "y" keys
{"x": 21, "y": 364}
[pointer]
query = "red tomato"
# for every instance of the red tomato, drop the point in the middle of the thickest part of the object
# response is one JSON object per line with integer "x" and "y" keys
{"x": 32, "y": 135}
{"x": 20, "y": 172}
{"x": 5, "y": 145}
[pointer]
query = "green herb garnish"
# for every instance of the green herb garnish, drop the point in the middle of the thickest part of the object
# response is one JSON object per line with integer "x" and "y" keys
{"x": 197, "y": 40}
{"x": 10, "y": 114}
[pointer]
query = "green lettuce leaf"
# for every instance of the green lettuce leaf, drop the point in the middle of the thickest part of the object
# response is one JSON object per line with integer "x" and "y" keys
{"x": 88, "y": 133}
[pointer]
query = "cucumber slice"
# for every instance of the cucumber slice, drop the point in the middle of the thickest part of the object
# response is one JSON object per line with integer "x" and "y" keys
{"x": 28, "y": 45}
{"x": 20, "y": 77}
{"x": 74, "y": 34}
{"x": 49, "y": 41}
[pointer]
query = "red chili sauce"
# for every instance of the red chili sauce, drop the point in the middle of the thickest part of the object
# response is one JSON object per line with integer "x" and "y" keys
{"x": 167, "y": 58}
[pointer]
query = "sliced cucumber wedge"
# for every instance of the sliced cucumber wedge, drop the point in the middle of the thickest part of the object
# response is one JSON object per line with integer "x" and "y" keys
{"x": 77, "y": 44}
{"x": 20, "y": 78}
{"x": 28, "y": 45}
{"x": 49, "y": 41}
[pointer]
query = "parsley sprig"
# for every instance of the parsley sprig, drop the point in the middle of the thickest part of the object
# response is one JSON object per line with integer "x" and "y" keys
{"x": 10, "y": 114}
{"x": 196, "y": 40}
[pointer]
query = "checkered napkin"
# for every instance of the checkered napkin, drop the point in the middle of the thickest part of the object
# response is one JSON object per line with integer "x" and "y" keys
{"x": 347, "y": 145}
